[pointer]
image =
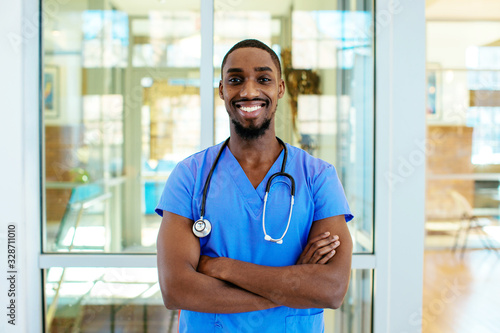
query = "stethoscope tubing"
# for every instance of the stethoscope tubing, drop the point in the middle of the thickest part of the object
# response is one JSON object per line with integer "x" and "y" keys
{"x": 209, "y": 178}
{"x": 282, "y": 173}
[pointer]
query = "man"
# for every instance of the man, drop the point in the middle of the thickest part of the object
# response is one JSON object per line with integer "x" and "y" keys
{"x": 238, "y": 278}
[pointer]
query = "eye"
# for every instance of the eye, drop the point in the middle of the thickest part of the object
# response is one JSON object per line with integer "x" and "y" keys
{"x": 265, "y": 79}
{"x": 234, "y": 80}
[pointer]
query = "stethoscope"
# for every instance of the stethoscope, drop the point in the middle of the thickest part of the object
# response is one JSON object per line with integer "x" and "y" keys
{"x": 202, "y": 227}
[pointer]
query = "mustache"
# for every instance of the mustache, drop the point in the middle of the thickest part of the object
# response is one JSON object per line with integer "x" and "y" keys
{"x": 250, "y": 100}
{"x": 263, "y": 100}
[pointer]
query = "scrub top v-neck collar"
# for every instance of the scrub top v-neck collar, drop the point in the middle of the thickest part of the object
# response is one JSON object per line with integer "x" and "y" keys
{"x": 253, "y": 197}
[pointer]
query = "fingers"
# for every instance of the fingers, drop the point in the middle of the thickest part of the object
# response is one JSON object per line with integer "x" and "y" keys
{"x": 326, "y": 258}
{"x": 315, "y": 239}
{"x": 325, "y": 253}
{"x": 312, "y": 246}
{"x": 318, "y": 247}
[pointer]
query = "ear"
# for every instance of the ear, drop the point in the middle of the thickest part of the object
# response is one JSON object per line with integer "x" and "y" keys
{"x": 281, "y": 88}
{"x": 221, "y": 94}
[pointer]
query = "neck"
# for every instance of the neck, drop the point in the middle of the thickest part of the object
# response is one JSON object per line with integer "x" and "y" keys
{"x": 256, "y": 150}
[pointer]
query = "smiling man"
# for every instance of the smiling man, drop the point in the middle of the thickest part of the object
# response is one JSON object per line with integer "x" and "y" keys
{"x": 251, "y": 229}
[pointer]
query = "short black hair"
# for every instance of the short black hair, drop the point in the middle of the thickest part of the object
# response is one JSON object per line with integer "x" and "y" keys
{"x": 252, "y": 43}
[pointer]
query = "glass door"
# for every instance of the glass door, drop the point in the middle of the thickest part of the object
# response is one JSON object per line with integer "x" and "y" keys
{"x": 124, "y": 103}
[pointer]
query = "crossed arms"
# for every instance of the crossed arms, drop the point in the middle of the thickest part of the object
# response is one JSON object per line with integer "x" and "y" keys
{"x": 224, "y": 285}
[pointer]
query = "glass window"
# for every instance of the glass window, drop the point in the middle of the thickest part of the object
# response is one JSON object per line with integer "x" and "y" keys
{"x": 105, "y": 300}
{"x": 112, "y": 76}
{"x": 327, "y": 63}
{"x": 167, "y": 38}
{"x": 116, "y": 299}
{"x": 121, "y": 108}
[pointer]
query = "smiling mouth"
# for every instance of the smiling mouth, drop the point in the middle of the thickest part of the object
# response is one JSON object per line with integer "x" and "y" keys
{"x": 250, "y": 107}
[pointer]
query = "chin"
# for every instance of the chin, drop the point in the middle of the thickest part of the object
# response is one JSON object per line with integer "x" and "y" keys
{"x": 252, "y": 132}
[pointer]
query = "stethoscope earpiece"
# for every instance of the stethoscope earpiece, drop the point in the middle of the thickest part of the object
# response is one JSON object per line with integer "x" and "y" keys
{"x": 277, "y": 241}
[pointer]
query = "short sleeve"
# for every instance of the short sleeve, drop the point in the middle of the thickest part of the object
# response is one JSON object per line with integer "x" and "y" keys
{"x": 329, "y": 196}
{"x": 178, "y": 192}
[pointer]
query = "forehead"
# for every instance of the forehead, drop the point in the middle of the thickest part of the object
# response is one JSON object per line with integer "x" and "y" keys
{"x": 249, "y": 58}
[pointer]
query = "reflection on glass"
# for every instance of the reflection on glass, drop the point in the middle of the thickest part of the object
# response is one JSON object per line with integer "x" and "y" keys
{"x": 122, "y": 107}
{"x": 83, "y": 120}
{"x": 318, "y": 35}
{"x": 110, "y": 26}
{"x": 327, "y": 63}
{"x": 355, "y": 314}
{"x": 167, "y": 39}
{"x": 171, "y": 122}
{"x": 169, "y": 42}
{"x": 232, "y": 26}
{"x": 114, "y": 78}
{"x": 105, "y": 300}
{"x": 82, "y": 225}
{"x": 114, "y": 299}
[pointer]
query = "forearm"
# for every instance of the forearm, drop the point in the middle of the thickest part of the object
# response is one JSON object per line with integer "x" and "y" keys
{"x": 198, "y": 292}
{"x": 299, "y": 286}
{"x": 182, "y": 287}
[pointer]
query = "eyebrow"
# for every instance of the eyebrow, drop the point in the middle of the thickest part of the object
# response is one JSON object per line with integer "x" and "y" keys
{"x": 235, "y": 70}
{"x": 263, "y": 69}
{"x": 257, "y": 69}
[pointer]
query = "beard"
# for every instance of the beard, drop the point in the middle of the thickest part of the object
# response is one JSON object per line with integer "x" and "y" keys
{"x": 252, "y": 132}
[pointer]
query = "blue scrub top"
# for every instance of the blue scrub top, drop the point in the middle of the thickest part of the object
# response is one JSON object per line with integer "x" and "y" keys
{"x": 235, "y": 209}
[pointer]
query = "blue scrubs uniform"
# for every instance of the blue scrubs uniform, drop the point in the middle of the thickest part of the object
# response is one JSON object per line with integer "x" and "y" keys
{"x": 235, "y": 208}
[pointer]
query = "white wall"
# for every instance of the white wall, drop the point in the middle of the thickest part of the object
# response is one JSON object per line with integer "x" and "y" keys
{"x": 399, "y": 190}
{"x": 19, "y": 192}
{"x": 11, "y": 148}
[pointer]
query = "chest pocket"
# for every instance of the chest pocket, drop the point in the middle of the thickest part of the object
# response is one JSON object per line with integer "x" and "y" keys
{"x": 303, "y": 324}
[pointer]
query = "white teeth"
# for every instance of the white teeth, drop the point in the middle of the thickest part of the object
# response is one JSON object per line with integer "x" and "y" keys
{"x": 250, "y": 109}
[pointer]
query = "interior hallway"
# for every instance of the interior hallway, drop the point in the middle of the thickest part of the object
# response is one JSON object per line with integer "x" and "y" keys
{"x": 461, "y": 295}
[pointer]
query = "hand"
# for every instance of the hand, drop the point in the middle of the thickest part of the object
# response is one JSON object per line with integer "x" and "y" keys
{"x": 205, "y": 266}
{"x": 319, "y": 250}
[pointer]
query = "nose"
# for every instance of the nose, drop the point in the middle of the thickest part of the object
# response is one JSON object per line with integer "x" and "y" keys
{"x": 249, "y": 89}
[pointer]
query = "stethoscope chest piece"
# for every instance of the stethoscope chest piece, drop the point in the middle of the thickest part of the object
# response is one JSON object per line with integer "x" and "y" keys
{"x": 202, "y": 228}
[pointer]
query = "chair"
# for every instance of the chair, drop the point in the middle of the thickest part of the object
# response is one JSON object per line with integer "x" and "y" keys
{"x": 464, "y": 208}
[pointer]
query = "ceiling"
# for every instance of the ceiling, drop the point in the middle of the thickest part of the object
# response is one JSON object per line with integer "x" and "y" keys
{"x": 485, "y": 10}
